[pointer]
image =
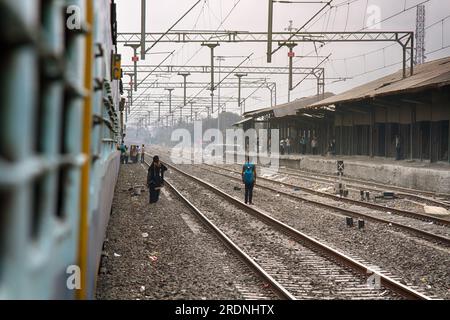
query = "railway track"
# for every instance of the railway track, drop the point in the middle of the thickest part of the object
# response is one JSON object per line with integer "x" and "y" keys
{"x": 406, "y": 213}
{"x": 382, "y": 215}
{"x": 306, "y": 268}
{"x": 276, "y": 287}
{"x": 402, "y": 221}
{"x": 357, "y": 184}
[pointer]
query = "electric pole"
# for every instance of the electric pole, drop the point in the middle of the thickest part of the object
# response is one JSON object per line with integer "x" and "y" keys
{"x": 159, "y": 103}
{"x": 184, "y": 75}
{"x": 212, "y": 46}
{"x": 240, "y": 76}
{"x": 170, "y": 102}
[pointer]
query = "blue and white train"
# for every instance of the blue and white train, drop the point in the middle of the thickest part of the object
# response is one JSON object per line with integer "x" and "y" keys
{"x": 59, "y": 131}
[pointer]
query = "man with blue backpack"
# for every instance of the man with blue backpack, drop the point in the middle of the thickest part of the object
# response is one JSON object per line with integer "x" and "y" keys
{"x": 249, "y": 179}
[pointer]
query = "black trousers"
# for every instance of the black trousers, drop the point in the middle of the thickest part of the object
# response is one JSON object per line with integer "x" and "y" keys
{"x": 398, "y": 154}
{"x": 249, "y": 192}
{"x": 154, "y": 195}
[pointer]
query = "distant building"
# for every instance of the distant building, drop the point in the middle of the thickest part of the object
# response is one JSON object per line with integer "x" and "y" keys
{"x": 417, "y": 109}
{"x": 366, "y": 120}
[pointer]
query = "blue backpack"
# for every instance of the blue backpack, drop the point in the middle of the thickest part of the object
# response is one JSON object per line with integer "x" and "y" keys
{"x": 248, "y": 173}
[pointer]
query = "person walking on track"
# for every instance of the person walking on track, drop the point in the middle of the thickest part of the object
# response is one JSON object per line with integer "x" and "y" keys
{"x": 155, "y": 179}
{"x": 143, "y": 154}
{"x": 249, "y": 179}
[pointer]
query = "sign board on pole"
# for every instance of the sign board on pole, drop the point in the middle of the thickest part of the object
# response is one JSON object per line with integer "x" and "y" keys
{"x": 117, "y": 67}
{"x": 341, "y": 166}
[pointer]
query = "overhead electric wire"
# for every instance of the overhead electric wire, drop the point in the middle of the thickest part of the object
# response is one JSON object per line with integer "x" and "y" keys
{"x": 236, "y": 3}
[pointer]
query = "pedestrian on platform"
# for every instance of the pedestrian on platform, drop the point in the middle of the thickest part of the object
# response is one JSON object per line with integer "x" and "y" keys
{"x": 398, "y": 148}
{"x": 155, "y": 179}
{"x": 303, "y": 145}
{"x": 143, "y": 154}
{"x": 288, "y": 146}
{"x": 332, "y": 147}
{"x": 249, "y": 180}
{"x": 314, "y": 145}
{"x": 282, "y": 147}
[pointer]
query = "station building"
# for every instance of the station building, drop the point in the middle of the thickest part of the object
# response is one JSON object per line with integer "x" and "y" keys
{"x": 366, "y": 120}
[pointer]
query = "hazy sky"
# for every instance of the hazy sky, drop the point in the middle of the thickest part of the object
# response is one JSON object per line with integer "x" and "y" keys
{"x": 347, "y": 60}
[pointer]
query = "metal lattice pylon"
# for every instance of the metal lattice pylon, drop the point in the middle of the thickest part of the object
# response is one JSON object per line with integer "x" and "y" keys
{"x": 420, "y": 34}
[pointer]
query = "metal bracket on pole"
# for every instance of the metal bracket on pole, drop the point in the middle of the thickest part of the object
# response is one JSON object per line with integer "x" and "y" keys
{"x": 321, "y": 83}
{"x": 240, "y": 76}
{"x": 135, "y": 61}
{"x": 291, "y": 55}
{"x": 273, "y": 93}
{"x": 212, "y": 46}
{"x": 407, "y": 43}
{"x": 184, "y": 75}
{"x": 192, "y": 111}
{"x": 159, "y": 103}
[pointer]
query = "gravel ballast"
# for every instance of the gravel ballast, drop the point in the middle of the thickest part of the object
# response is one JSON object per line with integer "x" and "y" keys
{"x": 416, "y": 262}
{"x": 163, "y": 252}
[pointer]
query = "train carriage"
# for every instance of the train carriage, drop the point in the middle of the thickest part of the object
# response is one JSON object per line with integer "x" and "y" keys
{"x": 59, "y": 130}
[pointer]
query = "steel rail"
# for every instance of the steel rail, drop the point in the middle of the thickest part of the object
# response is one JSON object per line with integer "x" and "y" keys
{"x": 275, "y": 285}
{"x": 402, "y": 191}
{"x": 386, "y": 281}
{"x": 411, "y": 214}
{"x": 352, "y": 213}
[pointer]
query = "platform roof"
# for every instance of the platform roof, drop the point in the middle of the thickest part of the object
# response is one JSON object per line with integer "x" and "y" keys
{"x": 288, "y": 109}
{"x": 432, "y": 74}
{"x": 242, "y": 122}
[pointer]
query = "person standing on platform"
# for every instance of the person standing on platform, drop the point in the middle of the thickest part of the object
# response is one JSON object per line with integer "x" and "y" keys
{"x": 398, "y": 147}
{"x": 249, "y": 180}
{"x": 303, "y": 145}
{"x": 288, "y": 146}
{"x": 155, "y": 179}
{"x": 143, "y": 154}
{"x": 332, "y": 148}
{"x": 314, "y": 144}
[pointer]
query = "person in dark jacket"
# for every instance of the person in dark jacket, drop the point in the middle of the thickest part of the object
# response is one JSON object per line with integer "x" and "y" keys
{"x": 155, "y": 179}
